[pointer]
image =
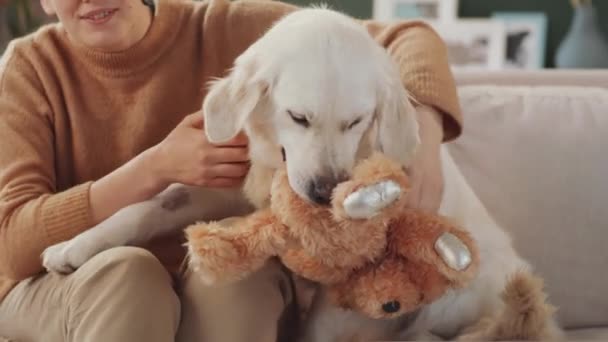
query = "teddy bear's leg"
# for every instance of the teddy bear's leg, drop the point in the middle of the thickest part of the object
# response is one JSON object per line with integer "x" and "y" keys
{"x": 434, "y": 240}
{"x": 231, "y": 249}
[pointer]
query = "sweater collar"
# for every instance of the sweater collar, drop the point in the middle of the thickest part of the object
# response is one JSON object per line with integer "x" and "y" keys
{"x": 162, "y": 32}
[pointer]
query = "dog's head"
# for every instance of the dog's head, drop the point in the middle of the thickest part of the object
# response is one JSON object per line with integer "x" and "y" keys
{"x": 319, "y": 89}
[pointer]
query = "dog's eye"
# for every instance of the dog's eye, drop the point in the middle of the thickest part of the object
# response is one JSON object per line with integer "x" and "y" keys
{"x": 299, "y": 119}
{"x": 354, "y": 123}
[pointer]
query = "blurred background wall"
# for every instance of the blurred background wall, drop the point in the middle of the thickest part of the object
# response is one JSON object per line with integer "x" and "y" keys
{"x": 18, "y": 17}
{"x": 559, "y": 14}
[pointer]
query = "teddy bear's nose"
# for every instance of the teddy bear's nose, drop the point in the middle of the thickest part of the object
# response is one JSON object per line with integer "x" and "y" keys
{"x": 391, "y": 307}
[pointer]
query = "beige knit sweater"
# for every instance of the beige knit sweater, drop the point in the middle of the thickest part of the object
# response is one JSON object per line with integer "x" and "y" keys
{"x": 69, "y": 115}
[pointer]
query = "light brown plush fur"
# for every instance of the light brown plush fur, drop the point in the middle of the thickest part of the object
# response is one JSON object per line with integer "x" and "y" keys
{"x": 365, "y": 263}
{"x": 409, "y": 272}
{"x": 524, "y": 316}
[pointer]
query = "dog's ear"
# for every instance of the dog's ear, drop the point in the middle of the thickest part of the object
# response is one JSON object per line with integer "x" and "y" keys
{"x": 232, "y": 99}
{"x": 397, "y": 134}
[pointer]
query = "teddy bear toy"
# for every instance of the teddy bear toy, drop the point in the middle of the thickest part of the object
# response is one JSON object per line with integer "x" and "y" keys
{"x": 371, "y": 252}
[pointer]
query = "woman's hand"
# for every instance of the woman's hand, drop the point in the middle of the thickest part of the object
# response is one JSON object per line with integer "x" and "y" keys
{"x": 186, "y": 156}
{"x": 425, "y": 173}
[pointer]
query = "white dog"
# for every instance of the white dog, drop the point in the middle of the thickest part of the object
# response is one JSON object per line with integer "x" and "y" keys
{"x": 318, "y": 92}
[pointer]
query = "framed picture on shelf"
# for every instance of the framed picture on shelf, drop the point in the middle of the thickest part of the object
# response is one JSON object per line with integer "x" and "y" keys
{"x": 526, "y": 39}
{"x": 477, "y": 44}
{"x": 437, "y": 10}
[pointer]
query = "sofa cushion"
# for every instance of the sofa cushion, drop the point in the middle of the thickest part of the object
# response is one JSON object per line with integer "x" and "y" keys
{"x": 538, "y": 158}
{"x": 590, "y": 334}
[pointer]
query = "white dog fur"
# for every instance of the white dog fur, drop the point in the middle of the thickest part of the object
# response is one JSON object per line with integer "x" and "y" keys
{"x": 317, "y": 85}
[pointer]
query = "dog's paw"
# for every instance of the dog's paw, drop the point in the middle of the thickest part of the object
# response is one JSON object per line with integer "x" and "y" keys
{"x": 368, "y": 201}
{"x": 66, "y": 257}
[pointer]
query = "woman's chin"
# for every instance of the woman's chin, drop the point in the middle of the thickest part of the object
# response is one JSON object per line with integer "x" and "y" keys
{"x": 106, "y": 41}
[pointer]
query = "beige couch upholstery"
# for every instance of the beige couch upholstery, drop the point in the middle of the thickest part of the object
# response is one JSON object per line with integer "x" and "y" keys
{"x": 535, "y": 150}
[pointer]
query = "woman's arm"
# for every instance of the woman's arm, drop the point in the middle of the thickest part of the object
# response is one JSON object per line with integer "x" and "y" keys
{"x": 422, "y": 60}
{"x": 33, "y": 213}
{"x": 426, "y": 172}
{"x": 184, "y": 156}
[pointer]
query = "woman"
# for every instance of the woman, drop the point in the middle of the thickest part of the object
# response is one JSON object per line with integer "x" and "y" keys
{"x": 100, "y": 111}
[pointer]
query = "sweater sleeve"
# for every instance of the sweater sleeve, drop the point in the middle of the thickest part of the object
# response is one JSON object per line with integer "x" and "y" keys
{"x": 419, "y": 52}
{"x": 33, "y": 215}
{"x": 422, "y": 58}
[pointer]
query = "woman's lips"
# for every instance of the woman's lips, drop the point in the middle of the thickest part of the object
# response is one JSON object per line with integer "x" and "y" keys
{"x": 99, "y": 16}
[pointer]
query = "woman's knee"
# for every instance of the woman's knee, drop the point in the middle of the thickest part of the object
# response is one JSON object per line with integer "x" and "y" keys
{"x": 134, "y": 259}
{"x": 130, "y": 268}
{"x": 129, "y": 281}
{"x": 251, "y": 309}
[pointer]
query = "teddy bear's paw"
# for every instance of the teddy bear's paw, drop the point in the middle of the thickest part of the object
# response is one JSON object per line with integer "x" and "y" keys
{"x": 370, "y": 200}
{"x": 214, "y": 259}
{"x": 453, "y": 251}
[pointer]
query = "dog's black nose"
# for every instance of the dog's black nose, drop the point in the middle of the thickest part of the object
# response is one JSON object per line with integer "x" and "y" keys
{"x": 320, "y": 190}
{"x": 391, "y": 307}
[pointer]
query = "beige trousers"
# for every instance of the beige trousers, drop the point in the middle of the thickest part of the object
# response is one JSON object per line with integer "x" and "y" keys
{"x": 125, "y": 294}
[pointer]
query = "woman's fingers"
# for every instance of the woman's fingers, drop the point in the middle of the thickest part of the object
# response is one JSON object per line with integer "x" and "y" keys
{"x": 239, "y": 140}
{"x": 222, "y": 155}
{"x": 232, "y": 170}
{"x": 194, "y": 120}
{"x": 222, "y": 182}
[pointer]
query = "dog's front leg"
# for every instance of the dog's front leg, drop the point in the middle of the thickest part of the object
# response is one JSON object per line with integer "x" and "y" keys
{"x": 134, "y": 225}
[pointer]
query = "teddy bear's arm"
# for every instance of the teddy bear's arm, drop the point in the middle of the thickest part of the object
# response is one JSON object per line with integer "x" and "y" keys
{"x": 376, "y": 191}
{"x": 433, "y": 239}
{"x": 231, "y": 249}
{"x": 361, "y": 209}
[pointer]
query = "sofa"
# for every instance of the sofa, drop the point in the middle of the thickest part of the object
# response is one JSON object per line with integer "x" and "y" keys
{"x": 535, "y": 150}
